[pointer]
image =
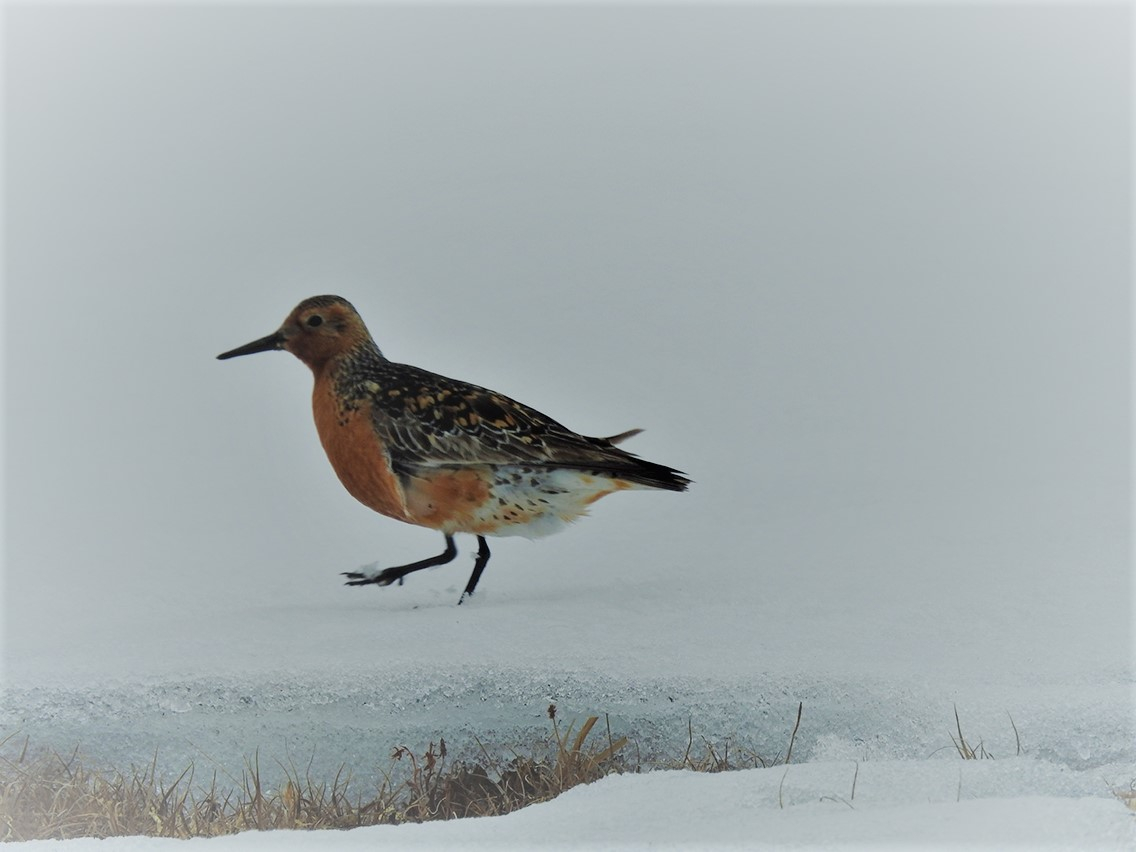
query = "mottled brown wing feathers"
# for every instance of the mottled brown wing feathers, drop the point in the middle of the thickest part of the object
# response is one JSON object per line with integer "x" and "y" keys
{"x": 428, "y": 420}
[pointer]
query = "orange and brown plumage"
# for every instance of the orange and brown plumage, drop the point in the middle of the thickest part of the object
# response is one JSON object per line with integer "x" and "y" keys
{"x": 441, "y": 453}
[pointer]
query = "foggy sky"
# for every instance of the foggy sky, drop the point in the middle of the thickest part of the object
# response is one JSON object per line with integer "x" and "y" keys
{"x": 829, "y": 258}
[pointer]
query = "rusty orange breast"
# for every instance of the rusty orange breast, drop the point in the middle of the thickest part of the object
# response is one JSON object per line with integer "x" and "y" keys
{"x": 356, "y": 454}
{"x": 450, "y": 500}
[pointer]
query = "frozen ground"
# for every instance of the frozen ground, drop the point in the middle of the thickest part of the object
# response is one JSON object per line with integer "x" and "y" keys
{"x": 879, "y": 659}
{"x": 335, "y": 675}
{"x": 1024, "y": 804}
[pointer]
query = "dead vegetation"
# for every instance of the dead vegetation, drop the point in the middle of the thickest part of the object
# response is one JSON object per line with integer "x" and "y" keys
{"x": 977, "y": 751}
{"x": 56, "y": 796}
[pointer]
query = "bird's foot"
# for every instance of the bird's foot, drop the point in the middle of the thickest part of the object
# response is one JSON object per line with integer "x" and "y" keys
{"x": 376, "y": 578}
{"x": 368, "y": 575}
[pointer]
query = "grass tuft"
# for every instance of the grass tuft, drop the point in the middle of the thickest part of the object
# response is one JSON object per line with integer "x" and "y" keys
{"x": 978, "y": 752}
{"x": 966, "y": 750}
{"x": 57, "y": 797}
{"x": 717, "y": 758}
{"x": 1127, "y": 795}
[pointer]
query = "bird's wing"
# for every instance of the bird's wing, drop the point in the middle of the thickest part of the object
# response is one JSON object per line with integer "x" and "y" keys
{"x": 428, "y": 420}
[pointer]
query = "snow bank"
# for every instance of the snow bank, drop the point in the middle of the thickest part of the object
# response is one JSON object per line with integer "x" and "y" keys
{"x": 976, "y": 805}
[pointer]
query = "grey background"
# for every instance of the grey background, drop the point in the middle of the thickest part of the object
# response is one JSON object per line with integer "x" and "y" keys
{"x": 862, "y": 272}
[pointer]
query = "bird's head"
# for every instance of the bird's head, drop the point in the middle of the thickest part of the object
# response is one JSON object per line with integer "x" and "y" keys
{"x": 318, "y": 329}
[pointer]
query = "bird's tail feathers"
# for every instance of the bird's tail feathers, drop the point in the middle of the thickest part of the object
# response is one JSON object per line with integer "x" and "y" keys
{"x": 621, "y": 437}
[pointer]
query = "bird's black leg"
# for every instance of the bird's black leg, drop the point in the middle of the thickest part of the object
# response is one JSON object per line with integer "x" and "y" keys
{"x": 388, "y": 576}
{"x": 478, "y": 567}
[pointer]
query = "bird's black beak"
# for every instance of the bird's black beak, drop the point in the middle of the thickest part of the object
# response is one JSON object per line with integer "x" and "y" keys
{"x": 265, "y": 344}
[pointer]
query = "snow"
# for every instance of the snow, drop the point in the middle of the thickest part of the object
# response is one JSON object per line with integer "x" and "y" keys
{"x": 334, "y": 675}
{"x": 309, "y": 671}
{"x": 991, "y": 805}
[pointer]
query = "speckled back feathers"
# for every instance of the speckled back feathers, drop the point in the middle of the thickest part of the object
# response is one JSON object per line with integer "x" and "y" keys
{"x": 426, "y": 419}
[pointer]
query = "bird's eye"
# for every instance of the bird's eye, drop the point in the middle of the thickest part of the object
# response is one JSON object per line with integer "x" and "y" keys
{"x": 315, "y": 320}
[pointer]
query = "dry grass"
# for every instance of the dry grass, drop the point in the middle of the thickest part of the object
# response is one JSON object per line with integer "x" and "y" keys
{"x": 57, "y": 797}
{"x": 717, "y": 758}
{"x": 978, "y": 752}
{"x": 1126, "y": 795}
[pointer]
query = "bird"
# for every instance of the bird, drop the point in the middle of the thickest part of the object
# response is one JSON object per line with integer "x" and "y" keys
{"x": 441, "y": 453}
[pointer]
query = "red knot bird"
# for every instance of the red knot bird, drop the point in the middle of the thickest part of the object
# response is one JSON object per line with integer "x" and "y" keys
{"x": 441, "y": 453}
